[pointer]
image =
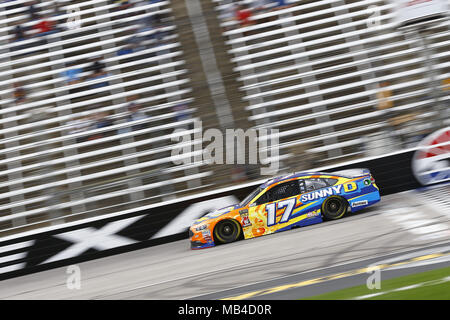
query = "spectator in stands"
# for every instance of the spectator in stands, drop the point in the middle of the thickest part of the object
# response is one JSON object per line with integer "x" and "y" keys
{"x": 101, "y": 120}
{"x": 63, "y": 23}
{"x": 446, "y": 84}
{"x": 385, "y": 102}
{"x": 152, "y": 23}
{"x": 96, "y": 65}
{"x": 56, "y": 8}
{"x": 383, "y": 140}
{"x": 78, "y": 125}
{"x": 72, "y": 75}
{"x": 146, "y": 22}
{"x": 181, "y": 112}
{"x": 123, "y": 4}
{"x": 395, "y": 121}
{"x": 243, "y": 15}
{"x": 158, "y": 36}
{"x": 96, "y": 76}
{"x": 136, "y": 40}
{"x": 19, "y": 33}
{"x": 74, "y": 125}
{"x": 20, "y": 94}
{"x": 134, "y": 114}
{"x": 45, "y": 27}
{"x": 280, "y": 4}
{"x": 229, "y": 13}
{"x": 126, "y": 49}
{"x": 97, "y": 68}
{"x": 33, "y": 10}
{"x": 384, "y": 96}
{"x": 259, "y": 6}
{"x": 155, "y": 17}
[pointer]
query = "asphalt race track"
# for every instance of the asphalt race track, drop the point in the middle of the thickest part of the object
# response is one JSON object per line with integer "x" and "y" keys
{"x": 412, "y": 228}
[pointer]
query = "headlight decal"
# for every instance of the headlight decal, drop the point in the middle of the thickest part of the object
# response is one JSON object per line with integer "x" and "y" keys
{"x": 202, "y": 227}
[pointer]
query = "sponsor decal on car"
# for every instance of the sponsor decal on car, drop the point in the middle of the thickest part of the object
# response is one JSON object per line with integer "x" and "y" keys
{"x": 326, "y": 192}
{"x": 206, "y": 235}
{"x": 360, "y": 203}
{"x": 244, "y": 218}
{"x": 321, "y": 193}
{"x": 313, "y": 214}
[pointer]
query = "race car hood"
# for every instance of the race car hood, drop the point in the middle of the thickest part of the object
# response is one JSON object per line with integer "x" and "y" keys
{"x": 216, "y": 213}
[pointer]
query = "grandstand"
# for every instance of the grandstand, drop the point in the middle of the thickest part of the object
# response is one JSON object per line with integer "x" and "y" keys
{"x": 312, "y": 69}
{"x": 50, "y": 171}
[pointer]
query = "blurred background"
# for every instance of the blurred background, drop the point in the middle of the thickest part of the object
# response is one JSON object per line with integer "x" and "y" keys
{"x": 92, "y": 93}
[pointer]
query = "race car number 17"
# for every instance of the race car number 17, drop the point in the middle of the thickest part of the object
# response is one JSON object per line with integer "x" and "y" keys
{"x": 272, "y": 208}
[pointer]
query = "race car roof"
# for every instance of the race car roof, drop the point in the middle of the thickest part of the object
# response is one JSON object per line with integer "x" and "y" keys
{"x": 350, "y": 173}
{"x": 295, "y": 175}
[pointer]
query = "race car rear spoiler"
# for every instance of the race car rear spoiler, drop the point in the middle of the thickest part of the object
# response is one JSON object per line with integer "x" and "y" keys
{"x": 353, "y": 173}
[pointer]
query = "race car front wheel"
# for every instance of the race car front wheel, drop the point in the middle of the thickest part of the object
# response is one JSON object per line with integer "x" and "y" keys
{"x": 334, "y": 208}
{"x": 226, "y": 231}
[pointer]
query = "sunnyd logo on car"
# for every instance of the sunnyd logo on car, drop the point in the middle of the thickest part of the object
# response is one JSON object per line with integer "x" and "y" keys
{"x": 431, "y": 162}
{"x": 323, "y": 193}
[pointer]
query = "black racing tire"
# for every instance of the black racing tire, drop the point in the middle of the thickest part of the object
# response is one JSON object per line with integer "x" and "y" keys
{"x": 334, "y": 208}
{"x": 226, "y": 231}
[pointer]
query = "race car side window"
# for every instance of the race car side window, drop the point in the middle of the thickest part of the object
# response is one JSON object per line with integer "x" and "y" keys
{"x": 251, "y": 196}
{"x": 309, "y": 185}
{"x": 331, "y": 181}
{"x": 281, "y": 191}
{"x": 284, "y": 190}
{"x": 315, "y": 183}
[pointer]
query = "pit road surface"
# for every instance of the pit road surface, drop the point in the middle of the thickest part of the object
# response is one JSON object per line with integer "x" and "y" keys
{"x": 410, "y": 224}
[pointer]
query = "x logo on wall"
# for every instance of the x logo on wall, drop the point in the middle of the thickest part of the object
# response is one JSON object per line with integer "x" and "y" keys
{"x": 100, "y": 239}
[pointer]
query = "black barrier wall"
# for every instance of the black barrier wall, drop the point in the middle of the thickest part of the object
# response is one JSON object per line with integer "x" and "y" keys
{"x": 118, "y": 234}
{"x": 392, "y": 174}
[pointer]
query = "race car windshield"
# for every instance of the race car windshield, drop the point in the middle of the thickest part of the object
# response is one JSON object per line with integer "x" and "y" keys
{"x": 252, "y": 194}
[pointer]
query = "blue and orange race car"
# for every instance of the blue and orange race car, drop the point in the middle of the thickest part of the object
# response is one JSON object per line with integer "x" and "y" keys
{"x": 285, "y": 202}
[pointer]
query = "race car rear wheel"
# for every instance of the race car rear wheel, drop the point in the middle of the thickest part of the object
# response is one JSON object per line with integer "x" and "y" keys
{"x": 227, "y": 230}
{"x": 334, "y": 208}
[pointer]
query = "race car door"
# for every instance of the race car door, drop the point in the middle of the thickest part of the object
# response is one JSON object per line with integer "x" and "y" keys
{"x": 276, "y": 205}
